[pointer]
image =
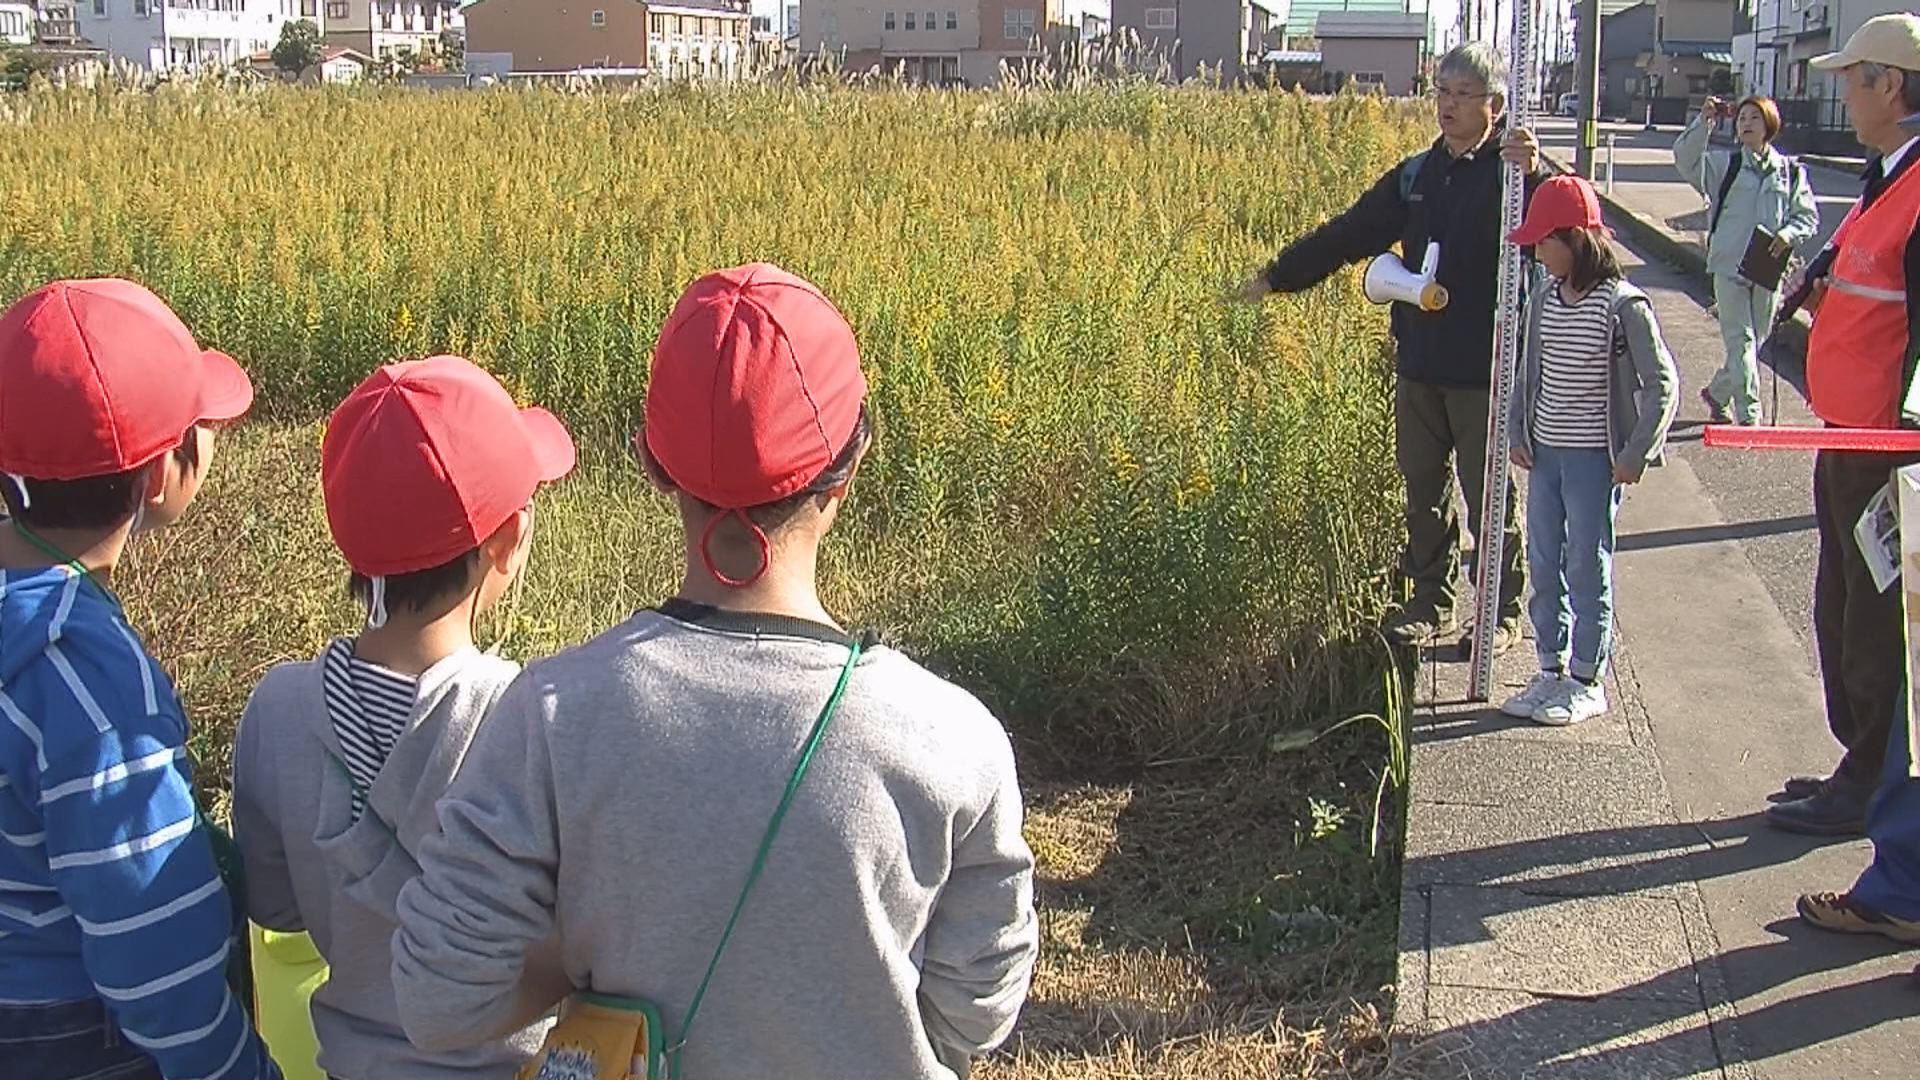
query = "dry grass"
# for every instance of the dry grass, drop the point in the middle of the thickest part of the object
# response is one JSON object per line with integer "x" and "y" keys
{"x": 1146, "y": 526}
{"x": 1161, "y": 958}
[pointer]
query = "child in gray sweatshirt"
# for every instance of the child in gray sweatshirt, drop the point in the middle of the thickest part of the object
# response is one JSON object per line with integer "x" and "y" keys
{"x": 621, "y": 792}
{"x": 428, "y": 470}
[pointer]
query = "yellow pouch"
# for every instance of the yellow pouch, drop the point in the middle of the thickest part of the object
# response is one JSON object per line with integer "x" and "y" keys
{"x": 287, "y": 969}
{"x": 599, "y": 1037}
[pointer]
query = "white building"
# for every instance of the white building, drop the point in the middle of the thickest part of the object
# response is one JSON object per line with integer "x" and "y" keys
{"x": 189, "y": 34}
{"x": 192, "y": 34}
{"x": 1758, "y": 52}
{"x": 16, "y": 22}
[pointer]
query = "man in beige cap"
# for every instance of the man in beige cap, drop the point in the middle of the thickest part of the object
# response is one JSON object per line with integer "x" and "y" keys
{"x": 1859, "y": 372}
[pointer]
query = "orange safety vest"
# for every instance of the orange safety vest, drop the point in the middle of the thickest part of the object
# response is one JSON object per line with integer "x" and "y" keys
{"x": 1857, "y": 356}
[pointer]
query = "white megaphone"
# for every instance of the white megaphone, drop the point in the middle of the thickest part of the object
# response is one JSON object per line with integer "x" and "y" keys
{"x": 1389, "y": 280}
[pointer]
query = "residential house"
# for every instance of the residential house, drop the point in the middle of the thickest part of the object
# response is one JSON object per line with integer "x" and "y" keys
{"x": 1373, "y": 49}
{"x": 682, "y": 39}
{"x": 1626, "y": 36}
{"x": 18, "y": 21}
{"x": 385, "y": 29}
{"x": 1692, "y": 50}
{"x": 1091, "y": 18}
{"x": 187, "y": 34}
{"x": 337, "y": 65}
{"x": 1773, "y": 59}
{"x": 934, "y": 41}
{"x": 1303, "y": 15}
{"x": 1226, "y": 37}
{"x": 1755, "y": 64}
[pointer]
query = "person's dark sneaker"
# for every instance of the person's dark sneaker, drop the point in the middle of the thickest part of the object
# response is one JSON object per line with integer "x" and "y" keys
{"x": 1800, "y": 787}
{"x": 1716, "y": 412}
{"x": 1506, "y": 634}
{"x": 1839, "y": 808}
{"x": 1842, "y": 914}
{"x": 1416, "y": 625}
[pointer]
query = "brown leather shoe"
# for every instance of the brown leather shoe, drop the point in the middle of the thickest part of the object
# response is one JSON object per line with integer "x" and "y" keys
{"x": 1842, "y": 914}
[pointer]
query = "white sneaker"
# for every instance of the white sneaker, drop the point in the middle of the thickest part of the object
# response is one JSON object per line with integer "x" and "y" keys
{"x": 1576, "y": 701}
{"x": 1544, "y": 688}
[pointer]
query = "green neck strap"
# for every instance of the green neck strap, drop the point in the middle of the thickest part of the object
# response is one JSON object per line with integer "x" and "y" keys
{"x": 61, "y": 558}
{"x": 766, "y": 845}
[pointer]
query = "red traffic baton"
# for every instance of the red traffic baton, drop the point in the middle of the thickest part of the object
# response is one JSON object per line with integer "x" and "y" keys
{"x": 1862, "y": 440}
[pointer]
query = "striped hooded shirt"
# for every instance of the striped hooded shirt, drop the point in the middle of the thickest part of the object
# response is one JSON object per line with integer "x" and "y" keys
{"x": 1575, "y": 344}
{"x": 108, "y": 889}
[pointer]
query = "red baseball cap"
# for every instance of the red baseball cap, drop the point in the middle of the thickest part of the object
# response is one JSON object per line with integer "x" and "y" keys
{"x": 756, "y": 387}
{"x": 1560, "y": 202}
{"x": 99, "y": 376}
{"x": 427, "y": 458}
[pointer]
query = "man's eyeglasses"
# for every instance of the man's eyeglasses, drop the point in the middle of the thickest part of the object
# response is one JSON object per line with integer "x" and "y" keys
{"x": 1440, "y": 94}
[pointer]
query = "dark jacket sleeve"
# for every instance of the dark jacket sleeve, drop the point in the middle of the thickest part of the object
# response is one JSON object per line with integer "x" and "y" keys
{"x": 1367, "y": 228}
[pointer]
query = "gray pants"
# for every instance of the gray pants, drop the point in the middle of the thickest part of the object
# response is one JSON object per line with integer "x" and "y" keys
{"x": 1437, "y": 428}
{"x": 1746, "y": 313}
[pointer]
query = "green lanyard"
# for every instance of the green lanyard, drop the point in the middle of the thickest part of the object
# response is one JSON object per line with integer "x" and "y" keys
{"x": 61, "y": 558}
{"x": 766, "y": 845}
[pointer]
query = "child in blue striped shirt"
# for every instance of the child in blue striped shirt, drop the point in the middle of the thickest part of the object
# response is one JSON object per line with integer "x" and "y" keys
{"x": 115, "y": 927}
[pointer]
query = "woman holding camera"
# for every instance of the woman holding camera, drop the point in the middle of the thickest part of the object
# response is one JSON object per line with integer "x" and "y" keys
{"x": 1760, "y": 208}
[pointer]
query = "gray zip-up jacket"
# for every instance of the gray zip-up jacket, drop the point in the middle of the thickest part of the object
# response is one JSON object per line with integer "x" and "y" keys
{"x": 618, "y": 794}
{"x": 309, "y": 867}
{"x": 1643, "y": 385}
{"x": 1771, "y": 191}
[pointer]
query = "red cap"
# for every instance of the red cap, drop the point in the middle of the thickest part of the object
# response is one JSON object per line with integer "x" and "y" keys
{"x": 425, "y": 459}
{"x": 756, "y": 387}
{"x": 100, "y": 376}
{"x": 1560, "y": 202}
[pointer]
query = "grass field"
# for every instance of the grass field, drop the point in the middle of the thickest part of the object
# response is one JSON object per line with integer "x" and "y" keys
{"x": 1146, "y": 526}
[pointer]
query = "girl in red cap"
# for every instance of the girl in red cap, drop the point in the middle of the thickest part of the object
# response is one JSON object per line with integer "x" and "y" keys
{"x": 429, "y": 472}
{"x": 765, "y": 846}
{"x": 1592, "y": 402}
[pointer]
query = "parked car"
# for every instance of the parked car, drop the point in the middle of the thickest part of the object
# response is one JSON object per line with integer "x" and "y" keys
{"x": 1569, "y": 105}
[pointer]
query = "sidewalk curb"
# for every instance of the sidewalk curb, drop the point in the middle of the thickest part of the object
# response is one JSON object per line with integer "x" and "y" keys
{"x": 1855, "y": 166}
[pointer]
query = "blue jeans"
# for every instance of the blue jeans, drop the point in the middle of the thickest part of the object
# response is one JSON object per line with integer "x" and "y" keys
{"x": 73, "y": 1040}
{"x": 1571, "y": 503}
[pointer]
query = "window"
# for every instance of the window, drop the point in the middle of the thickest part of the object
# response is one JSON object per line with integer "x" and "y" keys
{"x": 100, "y": 9}
{"x": 953, "y": 22}
{"x": 598, "y": 18}
{"x": 140, "y": 8}
{"x": 309, "y": 8}
{"x": 933, "y": 21}
{"x": 1160, "y": 18}
{"x": 336, "y": 9}
{"x": 1370, "y": 78}
{"x": 910, "y": 25}
{"x": 1697, "y": 84}
{"x": 1018, "y": 24}
{"x": 887, "y": 21}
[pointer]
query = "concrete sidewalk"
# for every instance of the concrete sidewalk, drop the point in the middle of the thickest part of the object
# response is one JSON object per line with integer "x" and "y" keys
{"x": 1604, "y": 901}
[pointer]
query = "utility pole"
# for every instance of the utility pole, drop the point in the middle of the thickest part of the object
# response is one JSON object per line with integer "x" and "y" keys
{"x": 1587, "y": 80}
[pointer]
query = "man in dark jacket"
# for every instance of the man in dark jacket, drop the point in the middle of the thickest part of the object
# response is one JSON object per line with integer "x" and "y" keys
{"x": 1449, "y": 193}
